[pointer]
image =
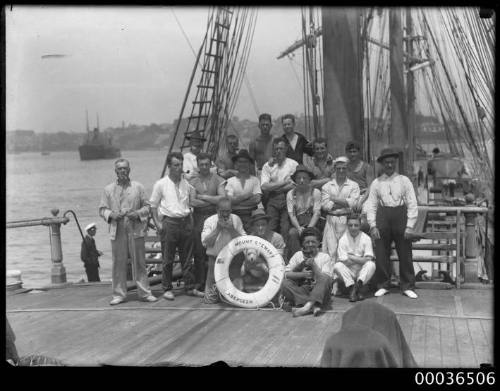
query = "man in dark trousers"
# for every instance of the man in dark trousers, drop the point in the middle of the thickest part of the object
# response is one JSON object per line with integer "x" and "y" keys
{"x": 90, "y": 254}
{"x": 391, "y": 210}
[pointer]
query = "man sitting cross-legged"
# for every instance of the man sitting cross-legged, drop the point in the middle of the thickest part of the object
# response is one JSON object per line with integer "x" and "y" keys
{"x": 355, "y": 264}
{"x": 308, "y": 276}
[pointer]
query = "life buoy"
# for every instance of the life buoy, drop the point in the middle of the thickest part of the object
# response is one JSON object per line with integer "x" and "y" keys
{"x": 275, "y": 264}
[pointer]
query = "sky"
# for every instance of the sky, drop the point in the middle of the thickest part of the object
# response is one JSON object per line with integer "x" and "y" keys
{"x": 130, "y": 64}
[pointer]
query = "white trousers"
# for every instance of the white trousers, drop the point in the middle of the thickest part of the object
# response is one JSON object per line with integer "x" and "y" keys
{"x": 334, "y": 229}
{"x": 349, "y": 275}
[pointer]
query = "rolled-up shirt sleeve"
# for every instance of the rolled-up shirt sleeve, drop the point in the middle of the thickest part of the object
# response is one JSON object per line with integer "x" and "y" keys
{"x": 154, "y": 201}
{"x": 371, "y": 203}
{"x": 105, "y": 207}
{"x": 296, "y": 259}
{"x": 411, "y": 202}
{"x": 326, "y": 202}
{"x": 265, "y": 176}
{"x": 353, "y": 196}
{"x": 208, "y": 228}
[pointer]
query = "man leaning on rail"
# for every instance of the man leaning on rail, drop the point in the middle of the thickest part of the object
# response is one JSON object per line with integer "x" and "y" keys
{"x": 124, "y": 206}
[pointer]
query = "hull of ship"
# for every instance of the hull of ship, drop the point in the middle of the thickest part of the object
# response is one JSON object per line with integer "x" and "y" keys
{"x": 94, "y": 152}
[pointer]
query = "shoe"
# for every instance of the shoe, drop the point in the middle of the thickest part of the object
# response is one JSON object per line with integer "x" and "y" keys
{"x": 360, "y": 287}
{"x": 149, "y": 299}
{"x": 117, "y": 300}
{"x": 410, "y": 294}
{"x": 381, "y": 292}
{"x": 316, "y": 311}
{"x": 195, "y": 292}
{"x": 169, "y": 295}
{"x": 353, "y": 296}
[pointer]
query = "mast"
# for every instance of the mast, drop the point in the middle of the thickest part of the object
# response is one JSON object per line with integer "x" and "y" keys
{"x": 410, "y": 85}
{"x": 342, "y": 70}
{"x": 398, "y": 131}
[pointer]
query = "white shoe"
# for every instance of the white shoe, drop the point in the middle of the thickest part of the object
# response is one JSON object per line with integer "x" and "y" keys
{"x": 381, "y": 292}
{"x": 410, "y": 294}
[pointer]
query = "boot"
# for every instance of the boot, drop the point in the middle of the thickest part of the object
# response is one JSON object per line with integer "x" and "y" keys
{"x": 359, "y": 289}
{"x": 353, "y": 296}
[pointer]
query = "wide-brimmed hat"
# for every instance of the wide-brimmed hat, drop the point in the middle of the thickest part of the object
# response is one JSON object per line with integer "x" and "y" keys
{"x": 196, "y": 135}
{"x": 302, "y": 168}
{"x": 259, "y": 214}
{"x": 388, "y": 152}
{"x": 91, "y": 225}
{"x": 242, "y": 153}
{"x": 340, "y": 159}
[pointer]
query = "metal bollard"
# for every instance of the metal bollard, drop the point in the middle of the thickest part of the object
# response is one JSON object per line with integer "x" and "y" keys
{"x": 58, "y": 271}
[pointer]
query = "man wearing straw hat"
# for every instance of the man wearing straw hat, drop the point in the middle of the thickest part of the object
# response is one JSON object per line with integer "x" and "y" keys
{"x": 89, "y": 254}
{"x": 190, "y": 165}
{"x": 392, "y": 212}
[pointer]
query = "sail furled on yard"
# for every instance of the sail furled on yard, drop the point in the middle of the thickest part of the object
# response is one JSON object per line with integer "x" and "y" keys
{"x": 342, "y": 70}
{"x": 219, "y": 70}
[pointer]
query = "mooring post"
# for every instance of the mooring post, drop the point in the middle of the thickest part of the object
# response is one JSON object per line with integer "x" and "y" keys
{"x": 58, "y": 272}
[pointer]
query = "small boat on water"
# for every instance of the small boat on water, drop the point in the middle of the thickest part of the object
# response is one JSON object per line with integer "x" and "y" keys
{"x": 45, "y": 153}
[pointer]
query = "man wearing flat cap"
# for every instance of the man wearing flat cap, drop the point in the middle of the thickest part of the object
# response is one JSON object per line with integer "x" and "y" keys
{"x": 392, "y": 212}
{"x": 89, "y": 254}
{"x": 190, "y": 165}
{"x": 243, "y": 189}
{"x": 338, "y": 196}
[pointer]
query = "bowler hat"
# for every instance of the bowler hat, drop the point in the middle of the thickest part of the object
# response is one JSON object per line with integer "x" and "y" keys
{"x": 259, "y": 214}
{"x": 196, "y": 135}
{"x": 387, "y": 152}
{"x": 302, "y": 168}
{"x": 242, "y": 154}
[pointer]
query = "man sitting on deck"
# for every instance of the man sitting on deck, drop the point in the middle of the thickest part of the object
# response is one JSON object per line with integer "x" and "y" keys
{"x": 255, "y": 272}
{"x": 308, "y": 276}
{"x": 355, "y": 264}
{"x": 218, "y": 231}
{"x": 124, "y": 206}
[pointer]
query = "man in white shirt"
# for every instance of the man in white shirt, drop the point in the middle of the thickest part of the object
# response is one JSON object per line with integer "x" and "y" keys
{"x": 391, "y": 210}
{"x": 276, "y": 181}
{"x": 355, "y": 265}
{"x": 243, "y": 189}
{"x": 190, "y": 165}
{"x": 338, "y": 196}
{"x": 218, "y": 231}
{"x": 308, "y": 276}
{"x": 170, "y": 203}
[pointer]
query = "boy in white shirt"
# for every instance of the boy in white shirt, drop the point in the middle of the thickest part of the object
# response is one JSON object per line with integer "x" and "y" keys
{"x": 355, "y": 266}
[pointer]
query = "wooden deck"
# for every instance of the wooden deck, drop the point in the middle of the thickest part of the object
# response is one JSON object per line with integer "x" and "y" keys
{"x": 444, "y": 328}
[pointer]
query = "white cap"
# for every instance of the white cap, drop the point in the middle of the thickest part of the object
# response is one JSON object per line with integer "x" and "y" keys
{"x": 89, "y": 226}
{"x": 340, "y": 159}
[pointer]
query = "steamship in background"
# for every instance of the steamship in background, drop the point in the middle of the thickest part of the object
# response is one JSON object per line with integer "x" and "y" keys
{"x": 97, "y": 145}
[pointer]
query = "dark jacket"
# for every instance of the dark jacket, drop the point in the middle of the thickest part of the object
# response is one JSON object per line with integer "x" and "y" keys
{"x": 89, "y": 253}
{"x": 300, "y": 148}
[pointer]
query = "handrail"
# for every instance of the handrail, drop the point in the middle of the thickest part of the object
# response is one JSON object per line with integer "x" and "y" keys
{"x": 35, "y": 222}
{"x": 76, "y": 220}
{"x": 462, "y": 209}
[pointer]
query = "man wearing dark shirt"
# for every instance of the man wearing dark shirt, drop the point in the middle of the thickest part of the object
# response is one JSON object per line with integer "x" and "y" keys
{"x": 297, "y": 143}
{"x": 89, "y": 254}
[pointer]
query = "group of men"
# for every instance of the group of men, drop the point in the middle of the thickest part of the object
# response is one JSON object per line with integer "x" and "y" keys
{"x": 198, "y": 207}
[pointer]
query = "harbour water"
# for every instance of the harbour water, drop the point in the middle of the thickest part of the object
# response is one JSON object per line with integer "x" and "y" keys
{"x": 37, "y": 183}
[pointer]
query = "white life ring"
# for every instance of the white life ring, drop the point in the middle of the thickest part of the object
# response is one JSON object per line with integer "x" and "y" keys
{"x": 275, "y": 264}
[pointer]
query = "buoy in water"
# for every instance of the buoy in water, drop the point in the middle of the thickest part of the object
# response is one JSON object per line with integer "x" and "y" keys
{"x": 275, "y": 264}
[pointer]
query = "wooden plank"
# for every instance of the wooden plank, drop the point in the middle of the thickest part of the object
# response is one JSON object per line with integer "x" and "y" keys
{"x": 432, "y": 356}
{"x": 483, "y": 350}
{"x": 449, "y": 351}
{"x": 176, "y": 339}
{"x": 329, "y": 325}
{"x": 487, "y": 326}
{"x": 464, "y": 345}
{"x": 406, "y": 323}
{"x": 417, "y": 342}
